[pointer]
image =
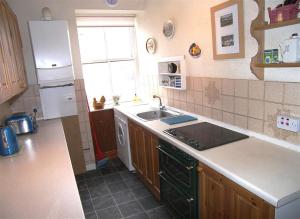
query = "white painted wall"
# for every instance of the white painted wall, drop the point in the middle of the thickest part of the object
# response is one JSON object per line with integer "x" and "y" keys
{"x": 61, "y": 9}
{"x": 192, "y": 20}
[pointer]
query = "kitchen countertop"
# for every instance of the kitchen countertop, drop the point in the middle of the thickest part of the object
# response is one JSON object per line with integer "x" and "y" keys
{"x": 268, "y": 170}
{"x": 39, "y": 182}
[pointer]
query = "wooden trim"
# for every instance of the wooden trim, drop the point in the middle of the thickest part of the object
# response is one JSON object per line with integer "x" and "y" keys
{"x": 259, "y": 36}
{"x": 278, "y": 65}
{"x": 216, "y": 8}
{"x": 267, "y": 26}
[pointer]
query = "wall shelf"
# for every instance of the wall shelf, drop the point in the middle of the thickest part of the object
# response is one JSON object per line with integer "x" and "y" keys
{"x": 258, "y": 27}
{"x": 267, "y": 26}
{"x": 176, "y": 80}
{"x": 279, "y": 65}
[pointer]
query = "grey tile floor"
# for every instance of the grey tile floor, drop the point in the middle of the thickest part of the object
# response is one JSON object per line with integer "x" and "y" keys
{"x": 115, "y": 193}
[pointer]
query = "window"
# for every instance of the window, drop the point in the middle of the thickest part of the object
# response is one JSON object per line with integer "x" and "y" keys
{"x": 108, "y": 57}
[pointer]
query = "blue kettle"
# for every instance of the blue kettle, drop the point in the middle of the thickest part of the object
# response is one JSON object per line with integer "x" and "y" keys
{"x": 8, "y": 141}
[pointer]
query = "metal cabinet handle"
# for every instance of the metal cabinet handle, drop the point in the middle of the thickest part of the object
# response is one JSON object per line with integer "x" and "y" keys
{"x": 189, "y": 167}
{"x": 189, "y": 200}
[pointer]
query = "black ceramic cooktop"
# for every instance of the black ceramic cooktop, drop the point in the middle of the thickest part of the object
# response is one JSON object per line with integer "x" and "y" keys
{"x": 202, "y": 136}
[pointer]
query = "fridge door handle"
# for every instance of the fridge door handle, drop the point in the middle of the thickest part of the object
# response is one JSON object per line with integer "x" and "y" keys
{"x": 56, "y": 86}
{"x": 54, "y": 66}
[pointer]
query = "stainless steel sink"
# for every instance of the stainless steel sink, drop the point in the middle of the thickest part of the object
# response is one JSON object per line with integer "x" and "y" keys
{"x": 157, "y": 114}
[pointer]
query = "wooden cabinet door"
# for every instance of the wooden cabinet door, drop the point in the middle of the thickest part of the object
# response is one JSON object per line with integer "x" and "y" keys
{"x": 212, "y": 193}
{"x": 149, "y": 173}
{"x": 133, "y": 146}
{"x": 103, "y": 121}
{"x": 8, "y": 52}
{"x": 17, "y": 50}
{"x": 144, "y": 156}
{"x": 220, "y": 198}
{"x": 141, "y": 150}
{"x": 12, "y": 70}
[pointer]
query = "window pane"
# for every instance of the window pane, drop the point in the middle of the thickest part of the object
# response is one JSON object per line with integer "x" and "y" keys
{"x": 97, "y": 81}
{"x": 123, "y": 79}
{"x": 92, "y": 44}
{"x": 119, "y": 42}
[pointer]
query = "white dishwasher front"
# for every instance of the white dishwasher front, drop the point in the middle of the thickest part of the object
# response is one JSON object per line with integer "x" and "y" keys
{"x": 58, "y": 101}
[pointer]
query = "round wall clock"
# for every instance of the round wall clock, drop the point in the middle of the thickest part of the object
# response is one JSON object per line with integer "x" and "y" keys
{"x": 169, "y": 29}
{"x": 111, "y": 3}
{"x": 151, "y": 45}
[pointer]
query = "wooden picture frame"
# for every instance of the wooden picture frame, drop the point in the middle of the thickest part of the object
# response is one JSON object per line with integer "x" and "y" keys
{"x": 227, "y": 20}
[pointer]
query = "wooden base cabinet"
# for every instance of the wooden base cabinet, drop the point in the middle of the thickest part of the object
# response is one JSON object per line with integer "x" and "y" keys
{"x": 220, "y": 198}
{"x": 144, "y": 156}
{"x": 104, "y": 127}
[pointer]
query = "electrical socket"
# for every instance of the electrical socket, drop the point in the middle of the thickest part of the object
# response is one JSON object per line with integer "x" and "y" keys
{"x": 289, "y": 123}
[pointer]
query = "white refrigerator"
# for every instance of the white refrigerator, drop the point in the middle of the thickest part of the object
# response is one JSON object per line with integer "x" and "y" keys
{"x": 52, "y": 54}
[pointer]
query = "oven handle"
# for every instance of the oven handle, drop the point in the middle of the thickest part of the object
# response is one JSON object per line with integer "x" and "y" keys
{"x": 161, "y": 174}
{"x": 174, "y": 158}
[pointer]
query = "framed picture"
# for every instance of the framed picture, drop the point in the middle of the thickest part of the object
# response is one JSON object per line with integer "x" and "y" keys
{"x": 227, "y": 21}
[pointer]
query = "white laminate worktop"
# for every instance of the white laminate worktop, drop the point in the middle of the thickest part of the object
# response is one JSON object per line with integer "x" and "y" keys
{"x": 268, "y": 170}
{"x": 39, "y": 182}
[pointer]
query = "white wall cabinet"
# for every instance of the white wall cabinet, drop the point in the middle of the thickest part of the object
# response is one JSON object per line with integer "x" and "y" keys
{"x": 172, "y": 72}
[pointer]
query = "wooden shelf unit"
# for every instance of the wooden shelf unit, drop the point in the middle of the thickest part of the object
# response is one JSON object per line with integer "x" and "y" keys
{"x": 258, "y": 27}
{"x": 267, "y": 26}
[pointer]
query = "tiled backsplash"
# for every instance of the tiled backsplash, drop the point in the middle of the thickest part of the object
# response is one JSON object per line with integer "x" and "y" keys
{"x": 30, "y": 99}
{"x": 248, "y": 104}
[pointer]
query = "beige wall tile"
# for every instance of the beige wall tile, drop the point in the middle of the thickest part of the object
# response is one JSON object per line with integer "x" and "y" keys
{"x": 191, "y": 107}
{"x": 228, "y": 103}
{"x": 171, "y": 102}
{"x": 183, "y": 105}
{"x": 228, "y": 87}
{"x": 182, "y": 95}
{"x": 294, "y": 110}
{"x": 198, "y": 109}
{"x": 270, "y": 131}
{"x": 198, "y": 97}
{"x": 217, "y": 114}
{"x": 272, "y": 110}
{"x": 207, "y": 111}
{"x": 256, "y": 89}
{"x": 295, "y": 139}
{"x": 176, "y": 95}
{"x": 190, "y": 96}
{"x": 256, "y": 125}
{"x": 197, "y": 84}
{"x": 189, "y": 83}
{"x": 228, "y": 117}
{"x": 241, "y": 88}
{"x": 241, "y": 121}
{"x": 177, "y": 104}
{"x": 274, "y": 91}
{"x": 256, "y": 109}
{"x": 164, "y": 92}
{"x": 292, "y": 93}
{"x": 241, "y": 106}
{"x": 170, "y": 93}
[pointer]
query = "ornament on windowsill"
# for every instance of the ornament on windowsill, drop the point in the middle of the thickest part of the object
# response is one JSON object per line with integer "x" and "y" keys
{"x": 100, "y": 104}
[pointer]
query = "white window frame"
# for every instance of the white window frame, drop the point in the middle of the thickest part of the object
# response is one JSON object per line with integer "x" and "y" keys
{"x": 114, "y": 21}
